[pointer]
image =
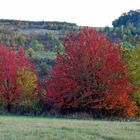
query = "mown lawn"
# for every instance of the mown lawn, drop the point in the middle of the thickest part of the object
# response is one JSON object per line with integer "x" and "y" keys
{"x": 33, "y": 128}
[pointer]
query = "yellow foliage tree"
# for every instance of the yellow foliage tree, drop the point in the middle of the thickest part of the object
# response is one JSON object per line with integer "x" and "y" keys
{"x": 27, "y": 80}
{"x": 133, "y": 61}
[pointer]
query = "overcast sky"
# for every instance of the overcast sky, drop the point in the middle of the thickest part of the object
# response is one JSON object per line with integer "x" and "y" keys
{"x": 83, "y": 12}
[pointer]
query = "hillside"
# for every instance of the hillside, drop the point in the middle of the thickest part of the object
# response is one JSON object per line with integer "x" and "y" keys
{"x": 34, "y": 30}
{"x": 41, "y": 40}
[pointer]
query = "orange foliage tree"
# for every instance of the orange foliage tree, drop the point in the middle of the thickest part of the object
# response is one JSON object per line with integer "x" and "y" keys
{"x": 91, "y": 75}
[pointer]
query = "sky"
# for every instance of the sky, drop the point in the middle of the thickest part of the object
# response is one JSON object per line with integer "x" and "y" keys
{"x": 95, "y": 13}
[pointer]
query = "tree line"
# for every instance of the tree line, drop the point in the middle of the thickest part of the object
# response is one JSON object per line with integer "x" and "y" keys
{"x": 91, "y": 75}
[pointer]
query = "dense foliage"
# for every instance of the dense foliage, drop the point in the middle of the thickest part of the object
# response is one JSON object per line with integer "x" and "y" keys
{"x": 132, "y": 17}
{"x": 15, "y": 76}
{"x": 86, "y": 70}
{"x": 91, "y": 75}
{"x": 132, "y": 58}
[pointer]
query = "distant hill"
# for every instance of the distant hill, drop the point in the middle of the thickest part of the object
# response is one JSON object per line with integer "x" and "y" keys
{"x": 11, "y": 31}
{"x": 50, "y": 25}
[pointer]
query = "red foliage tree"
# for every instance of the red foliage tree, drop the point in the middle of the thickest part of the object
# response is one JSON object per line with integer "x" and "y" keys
{"x": 91, "y": 75}
{"x": 10, "y": 63}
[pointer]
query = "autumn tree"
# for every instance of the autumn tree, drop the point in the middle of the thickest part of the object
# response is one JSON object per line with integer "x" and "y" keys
{"x": 132, "y": 58}
{"x": 12, "y": 65}
{"x": 91, "y": 75}
{"x": 27, "y": 80}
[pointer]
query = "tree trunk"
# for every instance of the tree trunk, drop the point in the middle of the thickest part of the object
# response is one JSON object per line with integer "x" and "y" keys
{"x": 8, "y": 108}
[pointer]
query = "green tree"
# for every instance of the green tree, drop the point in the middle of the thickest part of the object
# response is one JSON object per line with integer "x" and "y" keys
{"x": 36, "y": 46}
{"x": 30, "y": 52}
{"x": 56, "y": 43}
{"x": 132, "y": 58}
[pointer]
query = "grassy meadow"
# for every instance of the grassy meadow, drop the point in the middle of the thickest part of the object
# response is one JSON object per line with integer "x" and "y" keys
{"x": 38, "y": 128}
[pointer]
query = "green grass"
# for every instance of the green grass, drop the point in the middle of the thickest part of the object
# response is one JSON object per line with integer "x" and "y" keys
{"x": 33, "y": 128}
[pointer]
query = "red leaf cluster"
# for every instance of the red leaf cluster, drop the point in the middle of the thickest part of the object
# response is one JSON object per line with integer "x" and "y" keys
{"x": 91, "y": 75}
{"x": 10, "y": 63}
